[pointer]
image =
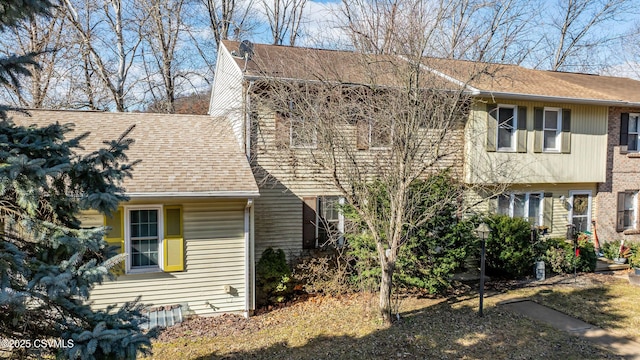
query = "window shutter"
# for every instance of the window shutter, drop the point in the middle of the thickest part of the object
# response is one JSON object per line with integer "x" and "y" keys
{"x": 173, "y": 239}
{"x": 309, "y": 222}
{"x": 283, "y": 131}
{"x": 362, "y": 134}
{"x": 522, "y": 129}
{"x": 624, "y": 129}
{"x": 492, "y": 127}
{"x": 548, "y": 211}
{"x": 620, "y": 212}
{"x": 538, "y": 118}
{"x": 566, "y": 131}
{"x": 115, "y": 235}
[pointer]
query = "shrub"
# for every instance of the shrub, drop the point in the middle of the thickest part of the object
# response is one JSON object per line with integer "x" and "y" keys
{"x": 611, "y": 249}
{"x": 509, "y": 248}
{"x": 634, "y": 258}
{"x": 273, "y": 278}
{"x": 328, "y": 273}
{"x": 560, "y": 256}
{"x": 433, "y": 251}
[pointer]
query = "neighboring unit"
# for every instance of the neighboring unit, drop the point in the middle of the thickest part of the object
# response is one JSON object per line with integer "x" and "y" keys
{"x": 549, "y": 136}
{"x": 187, "y": 229}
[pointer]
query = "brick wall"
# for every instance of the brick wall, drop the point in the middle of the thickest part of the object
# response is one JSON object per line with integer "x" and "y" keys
{"x": 623, "y": 173}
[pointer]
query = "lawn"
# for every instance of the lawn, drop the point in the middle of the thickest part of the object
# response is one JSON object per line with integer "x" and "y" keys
{"x": 429, "y": 328}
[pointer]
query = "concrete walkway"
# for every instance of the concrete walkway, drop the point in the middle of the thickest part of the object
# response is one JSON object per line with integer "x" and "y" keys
{"x": 620, "y": 346}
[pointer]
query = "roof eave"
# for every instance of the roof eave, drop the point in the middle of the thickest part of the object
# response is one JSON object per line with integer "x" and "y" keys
{"x": 190, "y": 194}
{"x": 543, "y": 98}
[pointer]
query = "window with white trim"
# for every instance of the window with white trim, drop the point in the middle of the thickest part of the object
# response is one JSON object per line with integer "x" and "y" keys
{"x": 552, "y": 128}
{"x": 580, "y": 210}
{"x": 143, "y": 238}
{"x": 150, "y": 235}
{"x": 528, "y": 206}
{"x": 627, "y": 210}
{"x": 330, "y": 221}
{"x": 507, "y": 127}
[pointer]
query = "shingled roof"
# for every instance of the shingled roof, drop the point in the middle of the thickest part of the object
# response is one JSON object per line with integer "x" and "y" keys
{"x": 479, "y": 79}
{"x": 181, "y": 155}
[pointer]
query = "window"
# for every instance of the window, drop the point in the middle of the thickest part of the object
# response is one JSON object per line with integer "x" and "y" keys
{"x": 303, "y": 132}
{"x": 371, "y": 134}
{"x": 150, "y": 235}
{"x": 528, "y": 206}
{"x": 322, "y": 221}
{"x": 507, "y": 126}
{"x": 580, "y": 211}
{"x": 552, "y": 130}
{"x": 632, "y": 145}
{"x": 379, "y": 134}
{"x": 552, "y": 127}
{"x": 627, "y": 209}
{"x": 330, "y": 220}
{"x": 144, "y": 238}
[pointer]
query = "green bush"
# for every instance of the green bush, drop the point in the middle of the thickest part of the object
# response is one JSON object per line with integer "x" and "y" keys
{"x": 587, "y": 260}
{"x": 558, "y": 255}
{"x": 509, "y": 249}
{"x": 611, "y": 249}
{"x": 561, "y": 259}
{"x": 273, "y": 278}
{"x": 634, "y": 259}
{"x": 433, "y": 251}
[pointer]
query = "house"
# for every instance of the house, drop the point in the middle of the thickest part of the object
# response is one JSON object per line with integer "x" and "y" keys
{"x": 617, "y": 213}
{"x": 556, "y": 132}
{"x": 297, "y": 204}
{"x": 553, "y": 139}
{"x": 187, "y": 229}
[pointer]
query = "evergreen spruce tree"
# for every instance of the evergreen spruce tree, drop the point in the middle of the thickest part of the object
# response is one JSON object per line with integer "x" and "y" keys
{"x": 48, "y": 263}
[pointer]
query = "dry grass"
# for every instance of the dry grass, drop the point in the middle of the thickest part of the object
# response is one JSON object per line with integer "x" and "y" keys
{"x": 348, "y": 328}
{"x": 607, "y": 301}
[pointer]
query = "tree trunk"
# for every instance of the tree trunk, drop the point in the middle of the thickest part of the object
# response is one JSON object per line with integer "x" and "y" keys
{"x": 385, "y": 292}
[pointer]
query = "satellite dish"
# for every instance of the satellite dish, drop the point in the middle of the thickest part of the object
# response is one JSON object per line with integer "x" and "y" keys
{"x": 246, "y": 49}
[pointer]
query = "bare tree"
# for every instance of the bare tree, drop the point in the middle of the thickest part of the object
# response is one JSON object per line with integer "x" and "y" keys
{"x": 164, "y": 28}
{"x": 284, "y": 18}
{"x": 43, "y": 37}
{"x": 467, "y": 29}
{"x": 579, "y": 28}
{"x": 368, "y": 126}
{"x": 109, "y": 39}
{"x": 229, "y": 18}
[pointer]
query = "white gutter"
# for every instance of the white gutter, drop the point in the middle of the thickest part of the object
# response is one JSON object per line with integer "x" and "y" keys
{"x": 534, "y": 97}
{"x": 187, "y": 194}
{"x": 248, "y": 258}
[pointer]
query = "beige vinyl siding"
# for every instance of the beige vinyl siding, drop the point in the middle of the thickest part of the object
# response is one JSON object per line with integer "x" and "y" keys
{"x": 215, "y": 257}
{"x": 278, "y": 221}
{"x": 586, "y": 163}
{"x": 560, "y": 208}
{"x": 227, "y": 93}
{"x": 286, "y": 176}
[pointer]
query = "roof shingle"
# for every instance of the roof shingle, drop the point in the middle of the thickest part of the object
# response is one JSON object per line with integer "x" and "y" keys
{"x": 181, "y": 155}
{"x": 488, "y": 78}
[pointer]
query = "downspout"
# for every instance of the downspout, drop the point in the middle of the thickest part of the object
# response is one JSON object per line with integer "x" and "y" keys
{"x": 247, "y": 121}
{"x": 248, "y": 258}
